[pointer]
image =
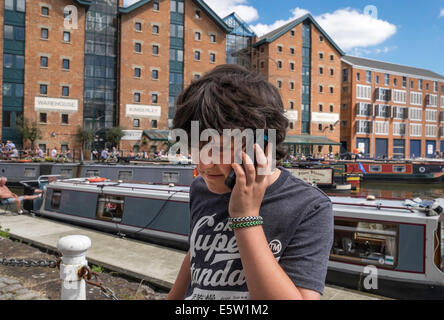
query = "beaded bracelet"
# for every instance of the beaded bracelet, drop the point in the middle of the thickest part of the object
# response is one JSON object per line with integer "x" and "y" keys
{"x": 246, "y": 224}
{"x": 245, "y": 219}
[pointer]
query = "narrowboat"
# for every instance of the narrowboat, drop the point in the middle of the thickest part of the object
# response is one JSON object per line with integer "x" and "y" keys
{"x": 322, "y": 177}
{"x": 179, "y": 174}
{"x": 401, "y": 239}
{"x": 411, "y": 172}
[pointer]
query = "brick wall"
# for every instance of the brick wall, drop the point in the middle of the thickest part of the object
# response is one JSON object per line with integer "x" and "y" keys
{"x": 329, "y": 79}
{"x": 147, "y": 61}
{"x": 279, "y": 53}
{"x": 54, "y": 133}
{"x": 395, "y": 83}
{"x": 206, "y": 26}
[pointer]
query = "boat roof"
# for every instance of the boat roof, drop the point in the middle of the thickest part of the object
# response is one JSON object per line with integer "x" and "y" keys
{"x": 393, "y": 210}
{"x": 79, "y": 182}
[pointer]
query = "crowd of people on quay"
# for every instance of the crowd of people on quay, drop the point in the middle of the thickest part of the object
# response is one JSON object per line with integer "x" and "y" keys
{"x": 9, "y": 151}
{"x": 114, "y": 155}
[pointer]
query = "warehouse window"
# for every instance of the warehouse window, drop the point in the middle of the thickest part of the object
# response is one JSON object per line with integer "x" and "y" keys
{"x": 44, "y": 89}
{"x": 65, "y": 91}
{"x": 67, "y": 36}
{"x": 45, "y": 11}
{"x": 44, "y": 33}
{"x": 43, "y": 118}
{"x": 44, "y": 62}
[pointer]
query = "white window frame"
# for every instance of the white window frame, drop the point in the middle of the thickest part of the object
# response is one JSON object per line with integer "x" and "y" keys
{"x": 377, "y": 111}
{"x": 441, "y": 132}
{"x": 397, "y": 129}
{"x": 414, "y": 97}
{"x": 432, "y": 100}
{"x": 359, "y": 108}
{"x": 431, "y": 131}
{"x": 441, "y": 117}
{"x": 413, "y": 131}
{"x": 431, "y": 115}
{"x": 396, "y": 113}
{"x": 358, "y": 126}
{"x": 417, "y": 111}
{"x": 379, "y": 96}
{"x": 442, "y": 101}
{"x": 381, "y": 128}
{"x": 399, "y": 94}
{"x": 363, "y": 92}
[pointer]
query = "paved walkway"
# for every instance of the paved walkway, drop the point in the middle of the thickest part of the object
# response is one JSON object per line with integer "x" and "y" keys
{"x": 12, "y": 289}
{"x": 155, "y": 264}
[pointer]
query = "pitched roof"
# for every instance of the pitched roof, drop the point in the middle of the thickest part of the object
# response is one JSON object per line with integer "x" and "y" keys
{"x": 218, "y": 20}
{"x": 84, "y": 2}
{"x": 239, "y": 26}
{"x": 275, "y": 34}
{"x": 392, "y": 67}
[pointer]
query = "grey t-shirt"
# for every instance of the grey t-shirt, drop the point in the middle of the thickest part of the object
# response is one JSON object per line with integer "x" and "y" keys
{"x": 298, "y": 225}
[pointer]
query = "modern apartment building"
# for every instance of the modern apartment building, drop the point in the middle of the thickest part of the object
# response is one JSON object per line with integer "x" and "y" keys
{"x": 96, "y": 64}
{"x": 304, "y": 63}
{"x": 391, "y": 110}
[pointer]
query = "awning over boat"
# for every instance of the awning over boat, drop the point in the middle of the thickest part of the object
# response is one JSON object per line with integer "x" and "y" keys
{"x": 156, "y": 135}
{"x": 310, "y": 140}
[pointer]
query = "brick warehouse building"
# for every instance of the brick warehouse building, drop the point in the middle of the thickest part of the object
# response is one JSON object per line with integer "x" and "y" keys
{"x": 302, "y": 61}
{"x": 390, "y": 110}
{"x": 117, "y": 66}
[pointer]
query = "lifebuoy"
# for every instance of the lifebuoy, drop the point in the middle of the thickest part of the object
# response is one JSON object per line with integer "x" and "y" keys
{"x": 422, "y": 169}
{"x": 96, "y": 179}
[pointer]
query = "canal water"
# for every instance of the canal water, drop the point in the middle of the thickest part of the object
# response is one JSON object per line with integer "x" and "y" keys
{"x": 401, "y": 190}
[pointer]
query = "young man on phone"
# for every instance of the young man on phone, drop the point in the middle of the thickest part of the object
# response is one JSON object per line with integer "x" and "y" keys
{"x": 269, "y": 237}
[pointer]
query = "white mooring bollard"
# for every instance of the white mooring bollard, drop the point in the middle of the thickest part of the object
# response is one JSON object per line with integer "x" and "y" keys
{"x": 73, "y": 250}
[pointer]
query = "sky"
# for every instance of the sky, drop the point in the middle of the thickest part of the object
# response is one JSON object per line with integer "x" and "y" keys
{"x": 408, "y": 32}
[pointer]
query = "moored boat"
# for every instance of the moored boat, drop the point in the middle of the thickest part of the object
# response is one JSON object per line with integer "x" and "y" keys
{"x": 407, "y": 171}
{"x": 402, "y": 242}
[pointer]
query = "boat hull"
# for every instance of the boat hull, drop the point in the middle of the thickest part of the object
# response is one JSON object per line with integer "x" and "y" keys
{"x": 395, "y": 289}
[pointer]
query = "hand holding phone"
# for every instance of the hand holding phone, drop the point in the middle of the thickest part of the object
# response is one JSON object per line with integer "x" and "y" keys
{"x": 230, "y": 181}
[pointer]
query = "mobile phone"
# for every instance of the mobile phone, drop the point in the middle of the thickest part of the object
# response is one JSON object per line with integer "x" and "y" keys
{"x": 230, "y": 181}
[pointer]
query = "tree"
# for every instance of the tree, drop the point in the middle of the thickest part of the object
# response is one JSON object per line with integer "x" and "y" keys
{"x": 84, "y": 137}
{"x": 114, "y": 135}
{"x": 28, "y": 131}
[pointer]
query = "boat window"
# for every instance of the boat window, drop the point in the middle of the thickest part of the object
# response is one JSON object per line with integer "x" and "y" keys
{"x": 92, "y": 173}
{"x": 110, "y": 208}
{"x": 170, "y": 177}
{"x": 375, "y": 169}
{"x": 399, "y": 169}
{"x": 125, "y": 175}
{"x": 366, "y": 243}
{"x": 29, "y": 172}
{"x": 55, "y": 199}
{"x": 66, "y": 173}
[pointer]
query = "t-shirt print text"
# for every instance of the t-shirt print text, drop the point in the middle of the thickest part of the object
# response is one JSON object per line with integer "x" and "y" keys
{"x": 214, "y": 249}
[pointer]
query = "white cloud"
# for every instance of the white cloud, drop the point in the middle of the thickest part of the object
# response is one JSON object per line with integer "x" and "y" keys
{"x": 361, "y": 52}
{"x": 241, "y": 7}
{"x": 348, "y": 27}
{"x": 441, "y": 14}
{"x": 261, "y": 29}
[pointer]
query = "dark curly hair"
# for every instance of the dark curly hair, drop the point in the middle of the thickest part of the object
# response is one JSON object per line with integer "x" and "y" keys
{"x": 232, "y": 97}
